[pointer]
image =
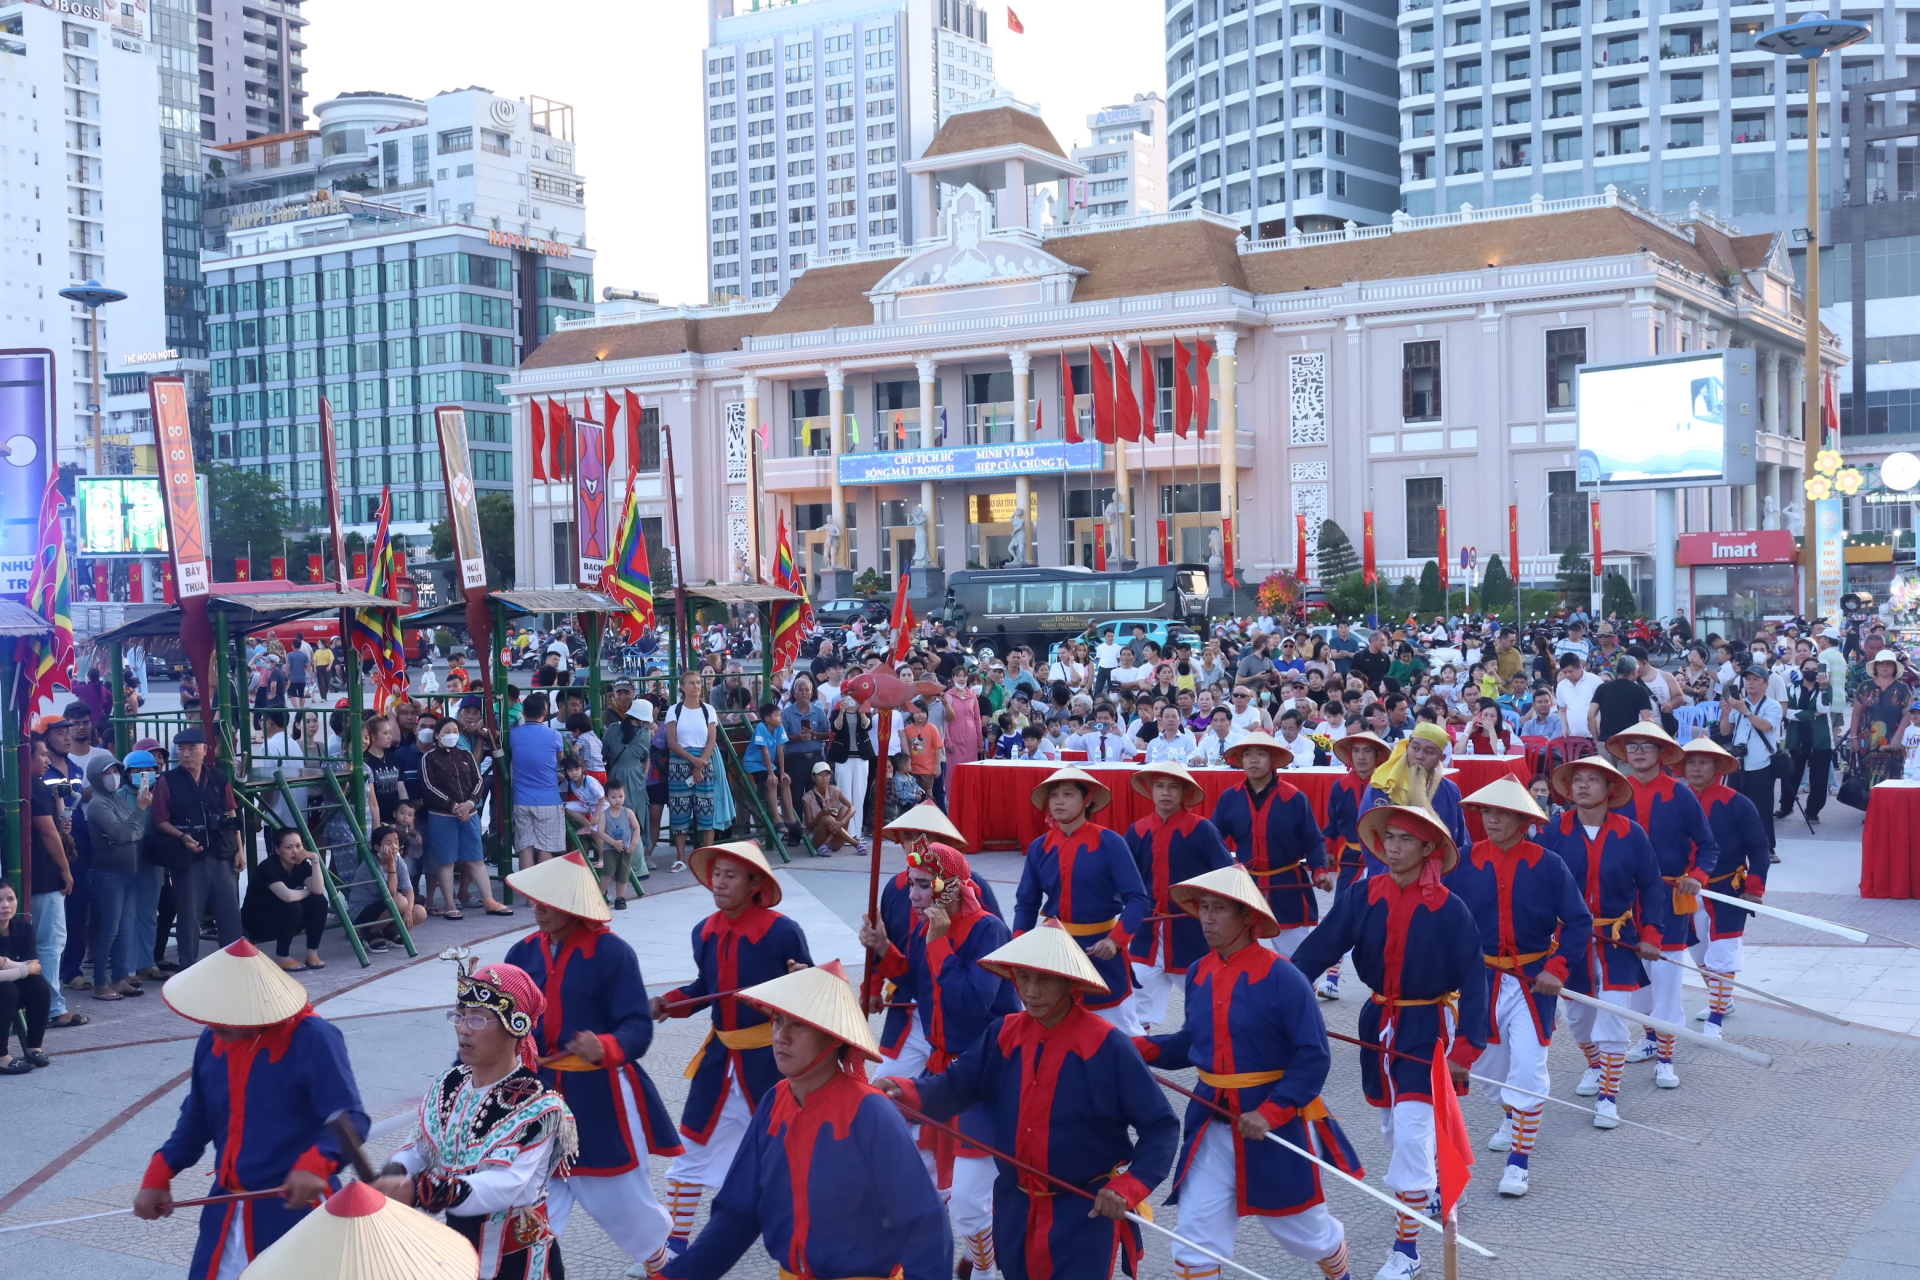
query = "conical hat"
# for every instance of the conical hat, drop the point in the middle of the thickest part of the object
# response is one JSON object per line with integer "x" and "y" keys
{"x": 1704, "y": 746}
{"x": 236, "y": 986}
{"x": 1374, "y": 823}
{"x": 565, "y": 884}
{"x": 821, "y": 997}
{"x": 1048, "y": 949}
{"x": 1343, "y": 747}
{"x": 1143, "y": 777}
{"x": 1283, "y": 755}
{"x": 1508, "y": 793}
{"x": 1619, "y": 790}
{"x": 359, "y": 1234}
{"x": 925, "y": 820}
{"x": 1647, "y": 731}
{"x": 1234, "y": 884}
{"x": 745, "y": 852}
{"x": 1098, "y": 797}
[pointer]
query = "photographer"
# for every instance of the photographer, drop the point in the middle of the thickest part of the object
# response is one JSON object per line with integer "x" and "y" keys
{"x": 193, "y": 810}
{"x": 1810, "y": 739}
{"x": 1754, "y": 722}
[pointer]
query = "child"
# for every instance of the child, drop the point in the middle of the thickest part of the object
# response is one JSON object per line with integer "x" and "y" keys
{"x": 766, "y": 764}
{"x": 1006, "y": 743}
{"x": 1034, "y": 745}
{"x": 406, "y": 821}
{"x": 586, "y": 744}
{"x": 1542, "y": 793}
{"x": 619, "y": 832}
{"x": 1910, "y": 740}
{"x": 582, "y": 796}
{"x": 1021, "y": 709}
{"x": 363, "y": 899}
{"x": 924, "y": 749}
{"x": 457, "y": 679}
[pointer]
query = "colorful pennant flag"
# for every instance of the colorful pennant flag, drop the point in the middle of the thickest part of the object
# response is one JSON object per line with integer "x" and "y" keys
{"x": 627, "y": 576}
{"x": 46, "y": 661}
{"x": 790, "y": 617}
{"x": 376, "y": 632}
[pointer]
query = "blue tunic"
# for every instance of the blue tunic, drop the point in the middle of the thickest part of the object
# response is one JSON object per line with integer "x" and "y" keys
{"x": 290, "y": 1078}
{"x": 1342, "y": 828}
{"x": 1086, "y": 880}
{"x": 1060, "y": 1099}
{"x": 1620, "y": 881}
{"x": 896, "y": 917}
{"x": 1670, "y": 813}
{"x": 1532, "y": 919}
{"x": 1251, "y": 1014}
{"x": 1275, "y": 836}
{"x": 743, "y": 952}
{"x": 833, "y": 1186}
{"x": 1745, "y": 856}
{"x": 592, "y": 983}
{"x": 1167, "y": 853}
{"x": 1446, "y": 807}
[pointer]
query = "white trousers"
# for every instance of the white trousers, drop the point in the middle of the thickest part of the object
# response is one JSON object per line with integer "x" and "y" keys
{"x": 913, "y": 1053}
{"x": 970, "y": 1204}
{"x": 1408, "y": 1129}
{"x": 1210, "y": 1214}
{"x": 1125, "y": 1015}
{"x": 1661, "y": 997}
{"x": 851, "y": 777}
{"x": 1150, "y": 1000}
{"x": 233, "y": 1254}
{"x": 1722, "y": 955}
{"x": 1519, "y": 1058}
{"x": 623, "y": 1205}
{"x": 1607, "y": 1032}
{"x": 1288, "y": 941}
{"x": 706, "y": 1163}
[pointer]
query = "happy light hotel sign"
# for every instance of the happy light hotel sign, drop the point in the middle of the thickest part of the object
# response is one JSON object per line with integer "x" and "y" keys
{"x": 974, "y": 462}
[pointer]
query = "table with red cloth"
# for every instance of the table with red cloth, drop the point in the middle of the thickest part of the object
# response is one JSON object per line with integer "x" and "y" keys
{"x": 992, "y": 800}
{"x": 1890, "y": 842}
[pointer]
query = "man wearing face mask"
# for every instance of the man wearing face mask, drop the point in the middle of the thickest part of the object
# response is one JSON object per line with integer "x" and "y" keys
{"x": 454, "y": 789}
{"x": 415, "y": 740}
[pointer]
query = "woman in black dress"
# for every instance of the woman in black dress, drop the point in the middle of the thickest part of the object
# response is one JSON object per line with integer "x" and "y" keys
{"x": 22, "y": 988}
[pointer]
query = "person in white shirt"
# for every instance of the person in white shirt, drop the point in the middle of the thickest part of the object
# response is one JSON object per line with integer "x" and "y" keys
{"x": 1104, "y": 743}
{"x": 1127, "y": 675}
{"x": 1248, "y": 715}
{"x": 1910, "y": 743}
{"x": 1106, "y": 657}
{"x": 1173, "y": 743}
{"x": 1035, "y": 746}
{"x": 1071, "y": 667}
{"x": 1574, "y": 694}
{"x": 1293, "y": 736}
{"x": 1219, "y": 737}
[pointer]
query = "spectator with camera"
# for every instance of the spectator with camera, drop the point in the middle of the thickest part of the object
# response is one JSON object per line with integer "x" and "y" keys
{"x": 193, "y": 812}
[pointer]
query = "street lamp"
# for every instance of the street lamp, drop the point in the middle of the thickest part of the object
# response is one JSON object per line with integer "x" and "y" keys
{"x": 1808, "y": 38}
{"x": 93, "y": 295}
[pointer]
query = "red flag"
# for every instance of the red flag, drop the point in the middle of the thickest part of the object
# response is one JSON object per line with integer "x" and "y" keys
{"x": 1443, "y": 559}
{"x": 1226, "y": 543}
{"x": 633, "y": 434}
{"x": 1126, "y": 409}
{"x": 279, "y": 568}
{"x": 1182, "y": 390}
{"x": 1103, "y": 428}
{"x": 1070, "y": 421}
{"x": 1829, "y": 416}
{"x": 539, "y": 443}
{"x": 168, "y": 593}
{"x": 241, "y": 569}
{"x": 1014, "y": 24}
{"x": 1513, "y": 546}
{"x": 102, "y": 580}
{"x": 1163, "y": 540}
{"x": 902, "y": 620}
{"x": 1450, "y": 1134}
{"x": 1300, "y": 547}
{"x": 606, "y": 443}
{"x": 1100, "y": 545}
{"x": 313, "y": 564}
{"x": 1149, "y": 398}
{"x": 1369, "y": 569}
{"x": 1202, "y": 394}
{"x": 559, "y": 424}
{"x": 136, "y": 583}
{"x": 1593, "y": 509}
{"x": 359, "y": 564}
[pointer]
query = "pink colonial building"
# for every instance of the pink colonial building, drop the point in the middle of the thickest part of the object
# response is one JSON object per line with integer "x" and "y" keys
{"x": 915, "y": 399}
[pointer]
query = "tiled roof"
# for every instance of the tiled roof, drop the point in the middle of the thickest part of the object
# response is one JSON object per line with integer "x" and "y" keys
{"x": 645, "y": 339}
{"x": 1151, "y": 259}
{"x": 829, "y": 295}
{"x": 993, "y": 127}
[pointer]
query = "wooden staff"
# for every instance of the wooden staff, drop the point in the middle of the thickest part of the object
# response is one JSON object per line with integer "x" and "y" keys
{"x": 172, "y": 1204}
{"x": 883, "y": 722}
{"x": 1782, "y": 1001}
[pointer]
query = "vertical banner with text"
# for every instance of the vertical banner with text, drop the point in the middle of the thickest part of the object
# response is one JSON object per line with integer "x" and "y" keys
{"x": 1829, "y": 557}
{"x": 590, "y": 512}
{"x": 463, "y": 510}
{"x": 330, "y": 464}
{"x": 180, "y": 487}
{"x": 27, "y": 400}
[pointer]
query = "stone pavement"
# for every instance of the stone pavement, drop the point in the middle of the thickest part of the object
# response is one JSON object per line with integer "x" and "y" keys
{"x": 1804, "y": 1169}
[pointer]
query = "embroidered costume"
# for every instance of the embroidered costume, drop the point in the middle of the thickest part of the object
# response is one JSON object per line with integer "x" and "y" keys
{"x": 1168, "y": 851}
{"x": 1745, "y": 855}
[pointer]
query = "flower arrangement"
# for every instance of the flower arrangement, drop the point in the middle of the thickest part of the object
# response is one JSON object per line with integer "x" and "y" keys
{"x": 1279, "y": 594}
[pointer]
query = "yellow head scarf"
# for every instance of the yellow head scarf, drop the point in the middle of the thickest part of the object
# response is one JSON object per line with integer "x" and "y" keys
{"x": 1396, "y": 778}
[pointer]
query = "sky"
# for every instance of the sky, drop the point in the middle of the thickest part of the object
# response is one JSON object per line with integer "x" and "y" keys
{"x": 632, "y": 71}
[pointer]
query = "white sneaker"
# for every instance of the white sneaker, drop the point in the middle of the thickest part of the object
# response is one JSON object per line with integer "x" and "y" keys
{"x": 1643, "y": 1051}
{"x": 1326, "y": 990}
{"x": 1502, "y": 1139}
{"x": 1399, "y": 1267}
{"x": 1589, "y": 1085}
{"x": 1514, "y": 1181}
{"x": 1665, "y": 1077}
{"x": 1606, "y": 1114}
{"x": 1711, "y": 1029}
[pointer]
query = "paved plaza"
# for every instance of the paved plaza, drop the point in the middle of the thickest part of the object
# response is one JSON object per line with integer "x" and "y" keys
{"x": 1803, "y": 1170}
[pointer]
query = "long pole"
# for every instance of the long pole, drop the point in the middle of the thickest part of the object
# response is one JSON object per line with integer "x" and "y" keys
{"x": 679, "y": 558}
{"x": 1812, "y": 428}
{"x": 99, "y": 438}
{"x": 883, "y": 721}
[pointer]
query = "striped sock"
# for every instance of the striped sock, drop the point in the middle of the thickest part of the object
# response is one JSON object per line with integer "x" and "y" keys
{"x": 1333, "y": 975}
{"x": 1612, "y": 1067}
{"x": 1406, "y": 1240}
{"x": 658, "y": 1261}
{"x": 683, "y": 1201}
{"x": 1334, "y": 1265}
{"x": 1664, "y": 1052}
{"x": 1720, "y": 993}
{"x": 1526, "y": 1128}
{"x": 980, "y": 1249}
{"x": 1592, "y": 1051}
{"x": 1184, "y": 1272}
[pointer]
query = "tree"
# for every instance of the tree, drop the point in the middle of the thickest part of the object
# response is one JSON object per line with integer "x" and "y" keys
{"x": 1337, "y": 556}
{"x": 1496, "y": 588}
{"x": 1617, "y": 597}
{"x": 246, "y": 515}
{"x": 1350, "y": 596}
{"x": 1430, "y": 601}
{"x": 1406, "y": 596}
{"x": 1576, "y": 575}
{"x": 496, "y": 538}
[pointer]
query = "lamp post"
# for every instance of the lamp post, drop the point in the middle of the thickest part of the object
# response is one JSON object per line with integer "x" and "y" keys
{"x": 93, "y": 295}
{"x": 1809, "y": 38}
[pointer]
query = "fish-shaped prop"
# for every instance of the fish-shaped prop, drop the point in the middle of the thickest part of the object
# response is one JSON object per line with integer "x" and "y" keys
{"x": 882, "y": 690}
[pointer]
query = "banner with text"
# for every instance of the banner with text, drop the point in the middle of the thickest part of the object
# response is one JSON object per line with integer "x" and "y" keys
{"x": 181, "y": 484}
{"x": 463, "y": 510}
{"x": 972, "y": 462}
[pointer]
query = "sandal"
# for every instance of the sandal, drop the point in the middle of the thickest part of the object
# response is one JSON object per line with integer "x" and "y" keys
{"x": 500, "y": 910}
{"x": 38, "y": 1058}
{"x": 289, "y": 965}
{"x": 315, "y": 962}
{"x": 107, "y": 993}
{"x": 453, "y": 914}
{"x": 16, "y": 1067}
{"x": 70, "y": 1020}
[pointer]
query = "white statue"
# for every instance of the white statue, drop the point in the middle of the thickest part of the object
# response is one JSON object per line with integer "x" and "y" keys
{"x": 1216, "y": 555}
{"x": 1797, "y": 520}
{"x": 1040, "y": 214}
{"x": 1770, "y": 512}
{"x": 740, "y": 571}
{"x": 1116, "y": 538}
{"x": 919, "y": 522}
{"x": 830, "y": 532}
{"x": 1017, "y": 544}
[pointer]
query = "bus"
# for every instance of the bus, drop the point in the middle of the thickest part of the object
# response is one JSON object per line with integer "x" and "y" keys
{"x": 997, "y": 609}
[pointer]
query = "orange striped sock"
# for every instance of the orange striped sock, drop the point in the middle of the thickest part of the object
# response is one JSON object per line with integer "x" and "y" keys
{"x": 1334, "y": 1265}
{"x": 683, "y": 1202}
{"x": 1720, "y": 990}
{"x": 1410, "y": 1226}
{"x": 980, "y": 1249}
{"x": 1526, "y": 1129}
{"x": 1182, "y": 1272}
{"x": 1612, "y": 1067}
{"x": 658, "y": 1261}
{"x": 1664, "y": 1053}
{"x": 1593, "y": 1053}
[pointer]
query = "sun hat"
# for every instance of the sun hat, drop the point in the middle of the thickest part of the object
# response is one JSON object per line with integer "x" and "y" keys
{"x": 361, "y": 1234}
{"x": 1343, "y": 747}
{"x": 236, "y": 986}
{"x": 1375, "y": 822}
{"x": 1508, "y": 793}
{"x": 1098, "y": 796}
{"x": 925, "y": 819}
{"x": 1619, "y": 790}
{"x": 1647, "y": 731}
{"x": 1283, "y": 757}
{"x": 564, "y": 884}
{"x": 745, "y": 852}
{"x": 1235, "y": 884}
{"x": 1704, "y": 746}
{"x": 1142, "y": 781}
{"x": 1047, "y": 949}
{"x": 821, "y": 997}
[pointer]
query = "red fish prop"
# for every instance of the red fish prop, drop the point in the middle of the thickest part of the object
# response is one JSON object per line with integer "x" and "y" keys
{"x": 880, "y": 689}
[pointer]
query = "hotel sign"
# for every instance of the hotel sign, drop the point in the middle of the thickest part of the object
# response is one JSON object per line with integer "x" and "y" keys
{"x": 508, "y": 240}
{"x": 976, "y": 462}
{"x": 290, "y": 213}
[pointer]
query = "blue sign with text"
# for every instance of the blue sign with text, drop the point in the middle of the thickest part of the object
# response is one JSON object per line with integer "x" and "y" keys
{"x": 973, "y": 462}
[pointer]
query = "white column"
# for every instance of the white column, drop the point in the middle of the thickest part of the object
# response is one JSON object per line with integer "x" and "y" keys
{"x": 1665, "y": 538}
{"x": 1770, "y": 390}
{"x": 836, "y": 445}
{"x": 929, "y": 419}
{"x": 1022, "y": 486}
{"x": 750, "y": 394}
{"x": 1011, "y": 208}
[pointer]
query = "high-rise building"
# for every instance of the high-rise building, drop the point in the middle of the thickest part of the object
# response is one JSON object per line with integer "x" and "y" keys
{"x": 1282, "y": 116}
{"x": 1126, "y": 162}
{"x": 813, "y": 109}
{"x": 405, "y": 255}
{"x": 1667, "y": 100}
{"x": 176, "y": 47}
{"x": 78, "y": 94}
{"x": 250, "y": 68}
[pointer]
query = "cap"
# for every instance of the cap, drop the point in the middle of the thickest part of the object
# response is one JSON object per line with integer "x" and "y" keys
{"x": 821, "y": 766}
{"x": 188, "y": 736}
{"x": 1047, "y": 949}
{"x": 745, "y": 852}
{"x": 361, "y": 1234}
{"x": 147, "y": 744}
{"x": 1142, "y": 781}
{"x": 821, "y": 997}
{"x": 925, "y": 820}
{"x": 563, "y": 884}
{"x": 1098, "y": 796}
{"x": 1233, "y": 883}
{"x": 47, "y": 722}
{"x": 1506, "y": 792}
{"x": 1646, "y": 731}
{"x": 1375, "y": 822}
{"x": 236, "y": 986}
{"x": 1263, "y": 740}
{"x": 1619, "y": 790}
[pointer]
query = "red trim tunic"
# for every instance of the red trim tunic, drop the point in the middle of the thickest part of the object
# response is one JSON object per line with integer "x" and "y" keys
{"x": 1167, "y": 853}
{"x": 1532, "y": 920}
{"x": 1275, "y": 836}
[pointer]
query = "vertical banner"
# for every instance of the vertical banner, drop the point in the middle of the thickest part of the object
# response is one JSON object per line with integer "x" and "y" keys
{"x": 359, "y": 564}
{"x": 167, "y": 593}
{"x": 137, "y": 582}
{"x": 590, "y": 514}
{"x": 1226, "y": 544}
{"x": 1829, "y": 558}
{"x": 1369, "y": 567}
{"x": 279, "y": 568}
{"x": 313, "y": 568}
{"x": 180, "y": 488}
{"x": 463, "y": 511}
{"x": 1100, "y": 545}
{"x": 242, "y": 569}
{"x": 1513, "y": 547}
{"x": 330, "y": 466}
{"x": 1163, "y": 542}
{"x": 1300, "y": 548}
{"x": 27, "y": 397}
{"x": 1442, "y": 558}
{"x": 102, "y": 580}
{"x": 1593, "y": 514}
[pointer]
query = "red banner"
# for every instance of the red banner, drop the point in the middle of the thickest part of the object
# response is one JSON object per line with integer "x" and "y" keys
{"x": 137, "y": 582}
{"x": 330, "y": 475}
{"x": 1513, "y": 546}
{"x": 167, "y": 593}
{"x": 1149, "y": 400}
{"x": 1369, "y": 568}
{"x": 1300, "y": 548}
{"x": 102, "y": 580}
{"x": 1593, "y": 510}
{"x": 279, "y": 568}
{"x": 360, "y": 564}
{"x": 1182, "y": 390}
{"x": 1226, "y": 543}
{"x": 179, "y": 481}
{"x": 1202, "y": 395}
{"x": 1100, "y": 545}
{"x": 538, "y": 420}
{"x": 313, "y": 568}
{"x": 1126, "y": 409}
{"x": 1442, "y": 557}
{"x": 1163, "y": 543}
{"x": 242, "y": 569}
